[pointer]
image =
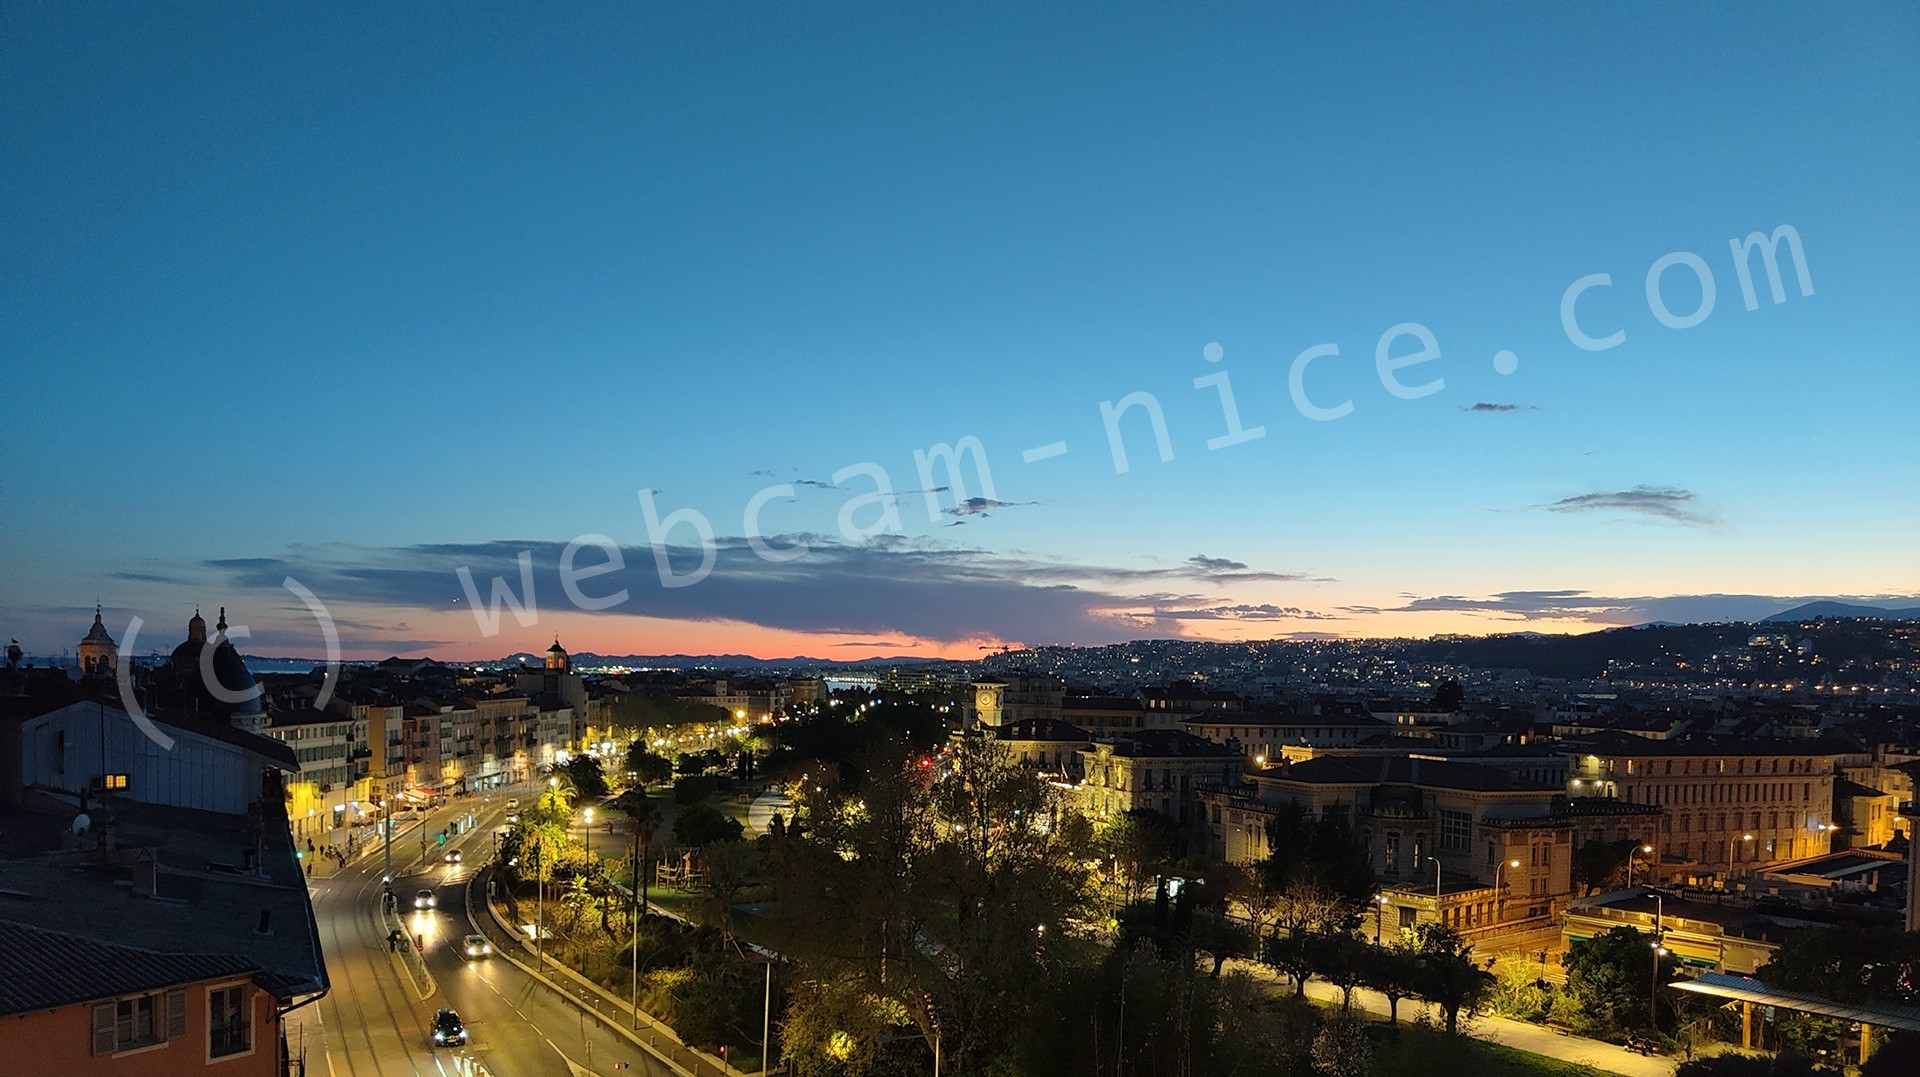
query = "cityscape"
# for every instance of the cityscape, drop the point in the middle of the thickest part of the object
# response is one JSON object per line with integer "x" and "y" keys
{"x": 1438, "y": 591}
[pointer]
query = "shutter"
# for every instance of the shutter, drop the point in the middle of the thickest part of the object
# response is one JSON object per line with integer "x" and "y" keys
{"x": 103, "y": 1028}
{"x": 176, "y": 1014}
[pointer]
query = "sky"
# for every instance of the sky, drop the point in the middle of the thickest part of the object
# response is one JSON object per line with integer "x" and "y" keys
{"x": 349, "y": 299}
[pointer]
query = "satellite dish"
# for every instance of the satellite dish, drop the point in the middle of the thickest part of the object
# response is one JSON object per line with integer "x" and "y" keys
{"x": 81, "y": 824}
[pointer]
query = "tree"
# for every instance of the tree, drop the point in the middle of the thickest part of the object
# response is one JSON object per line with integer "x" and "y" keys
{"x": 1598, "y": 865}
{"x": 731, "y": 868}
{"x": 1342, "y": 1048}
{"x": 589, "y": 780}
{"x": 1449, "y": 696}
{"x": 644, "y": 766}
{"x": 1449, "y": 978}
{"x": 643, "y": 817}
{"x": 1139, "y": 843}
{"x": 1394, "y": 971}
{"x": 1611, "y": 978}
{"x": 1849, "y": 964}
{"x": 1340, "y": 959}
{"x": 702, "y": 825}
{"x": 936, "y": 892}
{"x": 1292, "y": 956}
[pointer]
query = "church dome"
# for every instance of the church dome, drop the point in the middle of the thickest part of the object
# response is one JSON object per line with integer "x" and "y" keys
{"x": 225, "y": 668}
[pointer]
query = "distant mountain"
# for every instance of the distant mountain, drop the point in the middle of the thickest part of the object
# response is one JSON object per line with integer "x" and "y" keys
{"x": 1830, "y": 610}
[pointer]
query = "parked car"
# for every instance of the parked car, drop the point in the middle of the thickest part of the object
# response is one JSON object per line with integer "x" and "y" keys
{"x": 447, "y": 1029}
{"x": 477, "y": 946}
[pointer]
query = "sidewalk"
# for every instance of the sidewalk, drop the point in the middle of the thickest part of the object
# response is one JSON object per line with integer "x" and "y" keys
{"x": 1519, "y": 1035}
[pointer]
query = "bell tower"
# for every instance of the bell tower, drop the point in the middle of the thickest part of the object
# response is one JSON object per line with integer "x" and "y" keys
{"x": 99, "y": 655}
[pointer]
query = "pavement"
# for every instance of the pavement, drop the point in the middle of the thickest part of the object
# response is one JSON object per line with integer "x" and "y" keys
{"x": 764, "y": 807}
{"x": 1522, "y": 1035}
{"x": 373, "y": 1023}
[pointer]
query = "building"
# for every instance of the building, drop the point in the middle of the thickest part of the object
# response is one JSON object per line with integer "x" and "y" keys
{"x": 154, "y": 918}
{"x": 1713, "y": 938}
{"x": 1732, "y": 804}
{"x": 78, "y": 1006}
{"x": 1472, "y": 846}
{"x": 1045, "y": 744}
{"x": 1263, "y": 735}
{"x": 1160, "y": 770}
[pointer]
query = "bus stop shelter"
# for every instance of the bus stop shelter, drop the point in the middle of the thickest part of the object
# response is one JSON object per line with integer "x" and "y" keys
{"x": 1749, "y": 992}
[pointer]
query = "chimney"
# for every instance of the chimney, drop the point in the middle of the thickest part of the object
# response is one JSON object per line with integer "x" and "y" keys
{"x": 146, "y": 874}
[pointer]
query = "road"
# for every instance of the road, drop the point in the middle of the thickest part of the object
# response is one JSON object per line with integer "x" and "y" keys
{"x": 375, "y": 1024}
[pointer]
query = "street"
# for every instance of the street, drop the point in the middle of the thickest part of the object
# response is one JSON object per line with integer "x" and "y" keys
{"x": 373, "y": 1022}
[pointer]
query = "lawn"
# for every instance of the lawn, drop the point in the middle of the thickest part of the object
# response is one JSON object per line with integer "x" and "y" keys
{"x": 1408, "y": 1050}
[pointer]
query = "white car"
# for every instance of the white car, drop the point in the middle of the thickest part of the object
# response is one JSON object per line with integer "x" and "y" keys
{"x": 477, "y": 946}
{"x": 424, "y": 900}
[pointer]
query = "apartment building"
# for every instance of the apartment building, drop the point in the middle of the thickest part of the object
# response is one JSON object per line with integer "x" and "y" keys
{"x": 1731, "y": 804}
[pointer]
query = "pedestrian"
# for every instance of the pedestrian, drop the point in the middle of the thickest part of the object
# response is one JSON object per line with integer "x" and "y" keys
{"x": 309, "y": 869}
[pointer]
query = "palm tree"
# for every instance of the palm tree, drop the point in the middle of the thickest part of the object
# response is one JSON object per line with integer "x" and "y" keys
{"x": 559, "y": 782}
{"x": 644, "y": 820}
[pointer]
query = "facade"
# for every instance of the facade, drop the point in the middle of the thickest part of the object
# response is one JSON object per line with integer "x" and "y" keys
{"x": 155, "y": 918}
{"x": 1732, "y": 804}
{"x": 1160, "y": 770}
{"x": 1264, "y": 735}
{"x": 73, "y": 1005}
{"x": 1044, "y": 744}
{"x": 1711, "y": 938}
{"x": 1472, "y": 846}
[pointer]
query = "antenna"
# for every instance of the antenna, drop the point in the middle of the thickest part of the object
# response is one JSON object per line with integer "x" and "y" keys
{"x": 81, "y": 824}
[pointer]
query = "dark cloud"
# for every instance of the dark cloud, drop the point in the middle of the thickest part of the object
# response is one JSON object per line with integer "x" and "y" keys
{"x": 1484, "y": 407}
{"x": 1215, "y": 564}
{"x": 892, "y": 644}
{"x": 894, "y": 584}
{"x": 145, "y": 577}
{"x": 761, "y": 473}
{"x": 815, "y": 484}
{"x": 1662, "y": 502}
{"x": 978, "y": 506}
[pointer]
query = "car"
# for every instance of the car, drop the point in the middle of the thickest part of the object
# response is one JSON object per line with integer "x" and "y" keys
{"x": 452, "y": 857}
{"x": 447, "y": 1029}
{"x": 424, "y": 900}
{"x": 513, "y": 804}
{"x": 477, "y": 946}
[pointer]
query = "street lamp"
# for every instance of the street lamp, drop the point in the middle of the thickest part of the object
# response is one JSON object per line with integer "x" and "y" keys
{"x": 1648, "y": 849}
{"x": 1436, "y": 886}
{"x": 588, "y": 841}
{"x": 1743, "y": 837}
{"x": 1379, "y": 908}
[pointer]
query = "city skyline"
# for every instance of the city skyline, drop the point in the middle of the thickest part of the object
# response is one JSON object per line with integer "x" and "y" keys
{"x": 361, "y": 305}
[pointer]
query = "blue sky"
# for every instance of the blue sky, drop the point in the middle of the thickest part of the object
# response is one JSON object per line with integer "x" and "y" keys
{"x": 314, "y": 289}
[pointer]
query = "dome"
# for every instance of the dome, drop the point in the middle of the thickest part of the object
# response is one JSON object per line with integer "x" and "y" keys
{"x": 98, "y": 633}
{"x": 557, "y": 656}
{"x": 225, "y": 669}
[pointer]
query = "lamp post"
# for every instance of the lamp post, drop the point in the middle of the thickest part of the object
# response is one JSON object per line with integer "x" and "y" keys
{"x": 1743, "y": 837}
{"x": 1659, "y": 951}
{"x": 1379, "y": 909}
{"x": 588, "y": 840}
{"x": 1630, "y": 858}
{"x": 1500, "y": 884}
{"x": 1436, "y": 888}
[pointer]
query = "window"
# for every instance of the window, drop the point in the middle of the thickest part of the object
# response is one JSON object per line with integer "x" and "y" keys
{"x": 138, "y": 1022}
{"x": 229, "y": 1031}
{"x": 1456, "y": 830}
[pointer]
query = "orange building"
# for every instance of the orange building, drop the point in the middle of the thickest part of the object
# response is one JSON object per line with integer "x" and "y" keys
{"x": 76, "y": 1006}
